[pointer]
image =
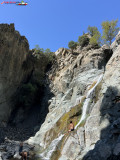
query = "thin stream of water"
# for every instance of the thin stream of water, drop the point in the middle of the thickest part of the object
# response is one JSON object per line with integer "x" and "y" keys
{"x": 48, "y": 153}
{"x": 87, "y": 100}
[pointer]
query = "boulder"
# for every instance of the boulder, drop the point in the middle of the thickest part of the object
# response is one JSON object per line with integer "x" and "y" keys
{"x": 11, "y": 150}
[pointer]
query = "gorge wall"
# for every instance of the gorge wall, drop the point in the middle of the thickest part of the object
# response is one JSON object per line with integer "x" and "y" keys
{"x": 13, "y": 52}
{"x": 97, "y": 136}
{"x": 81, "y": 86}
{"x": 107, "y": 111}
{"x": 21, "y": 86}
{"x": 71, "y": 80}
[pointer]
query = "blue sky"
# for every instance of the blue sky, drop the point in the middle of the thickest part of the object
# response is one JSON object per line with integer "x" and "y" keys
{"x": 53, "y": 23}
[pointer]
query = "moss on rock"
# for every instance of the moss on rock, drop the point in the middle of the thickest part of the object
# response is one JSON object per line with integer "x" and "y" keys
{"x": 61, "y": 127}
{"x": 97, "y": 92}
{"x": 73, "y": 115}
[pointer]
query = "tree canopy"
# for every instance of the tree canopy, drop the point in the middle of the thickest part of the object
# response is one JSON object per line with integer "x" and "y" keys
{"x": 95, "y": 38}
{"x": 46, "y": 54}
{"x": 95, "y": 35}
{"x": 92, "y": 30}
{"x": 83, "y": 40}
{"x": 72, "y": 45}
{"x": 110, "y": 30}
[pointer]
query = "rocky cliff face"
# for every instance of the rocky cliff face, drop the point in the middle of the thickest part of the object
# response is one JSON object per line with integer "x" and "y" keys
{"x": 97, "y": 136}
{"x": 75, "y": 81}
{"x": 13, "y": 52}
{"x": 107, "y": 110}
{"x": 21, "y": 80}
{"x": 82, "y": 87}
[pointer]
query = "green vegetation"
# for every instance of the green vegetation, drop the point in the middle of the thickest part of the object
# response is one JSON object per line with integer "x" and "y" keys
{"x": 95, "y": 36}
{"x": 95, "y": 40}
{"x": 83, "y": 40}
{"x": 61, "y": 127}
{"x": 92, "y": 30}
{"x": 62, "y": 124}
{"x": 74, "y": 114}
{"x": 72, "y": 45}
{"x": 40, "y": 52}
{"x": 36, "y": 64}
{"x": 110, "y": 30}
{"x": 97, "y": 92}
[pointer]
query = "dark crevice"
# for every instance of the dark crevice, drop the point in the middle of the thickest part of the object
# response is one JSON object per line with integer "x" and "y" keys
{"x": 107, "y": 55}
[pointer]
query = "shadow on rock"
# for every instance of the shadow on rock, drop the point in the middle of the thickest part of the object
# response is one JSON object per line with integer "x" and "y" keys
{"x": 25, "y": 123}
{"x": 108, "y": 147}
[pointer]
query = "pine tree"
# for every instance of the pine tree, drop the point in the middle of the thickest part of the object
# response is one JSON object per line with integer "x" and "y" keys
{"x": 110, "y": 30}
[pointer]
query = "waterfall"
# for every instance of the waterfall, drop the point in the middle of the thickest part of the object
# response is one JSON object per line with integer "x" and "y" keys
{"x": 46, "y": 155}
{"x": 52, "y": 147}
{"x": 78, "y": 100}
{"x": 87, "y": 100}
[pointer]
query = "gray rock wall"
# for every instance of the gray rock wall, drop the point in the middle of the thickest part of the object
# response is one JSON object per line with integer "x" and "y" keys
{"x": 13, "y": 51}
{"x": 71, "y": 80}
{"x": 106, "y": 114}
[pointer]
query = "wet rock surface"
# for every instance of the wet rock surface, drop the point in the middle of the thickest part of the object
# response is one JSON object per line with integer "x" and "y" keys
{"x": 10, "y": 150}
{"x": 69, "y": 80}
{"x": 70, "y": 77}
{"x": 75, "y": 75}
{"x": 107, "y": 111}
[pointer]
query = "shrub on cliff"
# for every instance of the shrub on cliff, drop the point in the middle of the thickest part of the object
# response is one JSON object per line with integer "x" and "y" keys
{"x": 92, "y": 30}
{"x": 50, "y": 56}
{"x": 83, "y": 40}
{"x": 72, "y": 45}
{"x": 47, "y": 54}
{"x": 95, "y": 36}
{"x": 95, "y": 40}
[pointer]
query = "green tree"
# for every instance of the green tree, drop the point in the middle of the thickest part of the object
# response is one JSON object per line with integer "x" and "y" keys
{"x": 83, "y": 40}
{"x": 110, "y": 30}
{"x": 46, "y": 55}
{"x": 95, "y": 36}
{"x": 38, "y": 51}
{"x": 37, "y": 48}
{"x": 47, "y": 51}
{"x": 72, "y": 45}
{"x": 50, "y": 56}
{"x": 92, "y": 30}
